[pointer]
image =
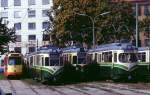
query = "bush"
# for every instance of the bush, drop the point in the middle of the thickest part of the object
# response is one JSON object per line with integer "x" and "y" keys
{"x": 92, "y": 71}
{"x": 69, "y": 74}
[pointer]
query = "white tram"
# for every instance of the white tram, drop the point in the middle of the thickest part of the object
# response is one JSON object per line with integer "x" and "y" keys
{"x": 144, "y": 62}
{"x": 116, "y": 60}
{"x": 44, "y": 64}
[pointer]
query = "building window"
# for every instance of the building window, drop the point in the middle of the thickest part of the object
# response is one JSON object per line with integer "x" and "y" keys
{"x": 147, "y": 42}
{"x": 17, "y": 14}
{"x": 139, "y": 10}
{"x": 45, "y": 25}
{"x": 4, "y": 3}
{"x": 134, "y": 10}
{"x": 4, "y": 14}
{"x": 18, "y": 38}
{"x": 31, "y": 13}
{"x": 32, "y": 37}
{"x": 46, "y": 37}
{"x": 146, "y": 10}
{"x": 17, "y": 2}
{"x": 44, "y": 13}
{"x": 45, "y": 2}
{"x": 17, "y": 49}
{"x": 31, "y": 2}
{"x": 31, "y": 49}
{"x": 17, "y": 26}
{"x": 31, "y": 26}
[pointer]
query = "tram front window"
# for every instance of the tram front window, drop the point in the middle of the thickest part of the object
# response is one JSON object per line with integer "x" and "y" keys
{"x": 14, "y": 61}
{"x": 127, "y": 57}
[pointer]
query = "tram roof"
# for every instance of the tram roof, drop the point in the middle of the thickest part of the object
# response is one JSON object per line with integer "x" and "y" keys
{"x": 74, "y": 48}
{"x": 46, "y": 50}
{"x": 144, "y": 48}
{"x": 114, "y": 46}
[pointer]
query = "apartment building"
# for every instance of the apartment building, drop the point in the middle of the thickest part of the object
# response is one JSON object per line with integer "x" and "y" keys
{"x": 29, "y": 19}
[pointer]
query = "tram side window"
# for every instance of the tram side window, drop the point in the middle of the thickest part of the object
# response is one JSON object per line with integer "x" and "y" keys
{"x": 107, "y": 56}
{"x": 99, "y": 58}
{"x": 46, "y": 61}
{"x": 142, "y": 57}
{"x": 115, "y": 57}
{"x": 42, "y": 61}
{"x": 95, "y": 57}
{"x": 38, "y": 60}
{"x": 31, "y": 61}
{"x": 74, "y": 59}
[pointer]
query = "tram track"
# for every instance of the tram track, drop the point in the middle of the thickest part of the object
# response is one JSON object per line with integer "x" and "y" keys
{"x": 121, "y": 88}
{"x": 33, "y": 90}
{"x": 12, "y": 88}
{"x": 101, "y": 89}
{"x": 27, "y": 86}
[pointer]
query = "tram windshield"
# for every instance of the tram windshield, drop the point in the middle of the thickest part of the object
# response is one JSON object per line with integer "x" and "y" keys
{"x": 127, "y": 57}
{"x": 14, "y": 61}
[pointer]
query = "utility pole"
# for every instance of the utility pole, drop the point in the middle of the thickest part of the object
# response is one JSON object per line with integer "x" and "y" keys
{"x": 137, "y": 33}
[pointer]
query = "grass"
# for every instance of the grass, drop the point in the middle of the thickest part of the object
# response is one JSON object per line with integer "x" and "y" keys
{"x": 2, "y": 77}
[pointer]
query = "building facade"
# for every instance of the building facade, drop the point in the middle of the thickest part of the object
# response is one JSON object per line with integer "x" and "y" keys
{"x": 29, "y": 19}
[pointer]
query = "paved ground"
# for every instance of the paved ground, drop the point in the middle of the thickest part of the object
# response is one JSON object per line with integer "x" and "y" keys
{"x": 18, "y": 87}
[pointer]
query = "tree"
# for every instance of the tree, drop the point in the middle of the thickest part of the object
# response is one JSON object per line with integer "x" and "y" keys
{"x": 145, "y": 26}
{"x": 6, "y": 35}
{"x": 68, "y": 25}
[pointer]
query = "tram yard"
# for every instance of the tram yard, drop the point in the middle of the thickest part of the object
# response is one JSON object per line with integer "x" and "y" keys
{"x": 21, "y": 87}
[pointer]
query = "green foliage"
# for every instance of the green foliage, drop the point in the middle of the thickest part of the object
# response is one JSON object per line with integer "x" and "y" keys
{"x": 69, "y": 74}
{"x": 145, "y": 25}
{"x": 92, "y": 71}
{"x": 68, "y": 25}
{"x": 6, "y": 35}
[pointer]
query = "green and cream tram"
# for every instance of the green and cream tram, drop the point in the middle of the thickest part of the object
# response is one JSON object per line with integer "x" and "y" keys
{"x": 116, "y": 60}
{"x": 44, "y": 64}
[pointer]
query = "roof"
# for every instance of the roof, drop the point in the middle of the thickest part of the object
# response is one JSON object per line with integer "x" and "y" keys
{"x": 74, "y": 48}
{"x": 114, "y": 46}
{"x": 144, "y": 48}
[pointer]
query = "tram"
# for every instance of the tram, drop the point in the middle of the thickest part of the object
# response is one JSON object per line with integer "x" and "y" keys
{"x": 44, "y": 64}
{"x": 117, "y": 61}
{"x": 144, "y": 62}
{"x": 13, "y": 64}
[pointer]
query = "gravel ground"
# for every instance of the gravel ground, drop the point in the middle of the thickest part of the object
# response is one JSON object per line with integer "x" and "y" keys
{"x": 27, "y": 87}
